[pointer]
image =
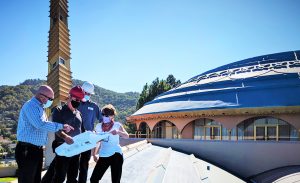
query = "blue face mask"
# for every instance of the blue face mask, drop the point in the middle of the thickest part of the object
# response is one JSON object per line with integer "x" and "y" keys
{"x": 48, "y": 104}
{"x": 87, "y": 98}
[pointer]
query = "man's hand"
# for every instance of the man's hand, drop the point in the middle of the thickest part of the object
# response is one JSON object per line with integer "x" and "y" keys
{"x": 115, "y": 132}
{"x": 68, "y": 139}
{"x": 67, "y": 128}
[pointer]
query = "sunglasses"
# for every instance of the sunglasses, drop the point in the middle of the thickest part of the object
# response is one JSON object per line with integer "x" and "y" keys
{"x": 51, "y": 99}
{"x": 75, "y": 99}
{"x": 107, "y": 115}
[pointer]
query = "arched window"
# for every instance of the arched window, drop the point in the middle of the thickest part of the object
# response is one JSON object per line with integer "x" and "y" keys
{"x": 208, "y": 129}
{"x": 165, "y": 129}
{"x": 266, "y": 128}
{"x": 144, "y": 130}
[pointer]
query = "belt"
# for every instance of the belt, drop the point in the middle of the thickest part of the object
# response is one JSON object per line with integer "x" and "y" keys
{"x": 29, "y": 145}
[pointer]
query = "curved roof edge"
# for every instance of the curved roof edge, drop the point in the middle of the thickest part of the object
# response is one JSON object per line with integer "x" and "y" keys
{"x": 263, "y": 59}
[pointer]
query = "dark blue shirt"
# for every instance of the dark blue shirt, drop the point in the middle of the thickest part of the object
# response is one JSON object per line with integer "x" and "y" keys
{"x": 66, "y": 116}
{"x": 90, "y": 113}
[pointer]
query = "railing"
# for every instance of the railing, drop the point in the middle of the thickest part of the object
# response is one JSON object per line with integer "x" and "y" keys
{"x": 132, "y": 135}
{"x": 139, "y": 135}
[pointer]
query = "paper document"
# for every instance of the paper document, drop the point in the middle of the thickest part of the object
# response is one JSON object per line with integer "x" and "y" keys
{"x": 82, "y": 142}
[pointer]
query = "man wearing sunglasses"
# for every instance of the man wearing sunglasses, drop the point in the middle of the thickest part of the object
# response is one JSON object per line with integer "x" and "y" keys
{"x": 33, "y": 127}
{"x": 67, "y": 114}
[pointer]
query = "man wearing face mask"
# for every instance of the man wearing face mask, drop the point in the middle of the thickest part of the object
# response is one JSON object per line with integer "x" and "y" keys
{"x": 67, "y": 114}
{"x": 90, "y": 113}
{"x": 32, "y": 130}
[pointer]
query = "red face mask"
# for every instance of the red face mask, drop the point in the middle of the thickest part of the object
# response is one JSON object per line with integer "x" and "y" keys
{"x": 106, "y": 127}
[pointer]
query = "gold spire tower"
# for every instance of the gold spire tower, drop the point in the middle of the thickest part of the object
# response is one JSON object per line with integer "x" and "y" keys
{"x": 59, "y": 71}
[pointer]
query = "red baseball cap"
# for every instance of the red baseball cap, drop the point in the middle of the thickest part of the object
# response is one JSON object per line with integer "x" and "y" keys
{"x": 77, "y": 92}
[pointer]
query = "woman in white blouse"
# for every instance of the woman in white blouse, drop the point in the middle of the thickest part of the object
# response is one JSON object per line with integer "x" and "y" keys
{"x": 110, "y": 153}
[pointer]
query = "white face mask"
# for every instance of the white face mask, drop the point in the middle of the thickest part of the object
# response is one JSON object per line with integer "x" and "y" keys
{"x": 106, "y": 119}
{"x": 86, "y": 98}
{"x": 48, "y": 104}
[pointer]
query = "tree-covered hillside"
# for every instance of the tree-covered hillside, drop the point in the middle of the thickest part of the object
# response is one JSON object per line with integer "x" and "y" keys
{"x": 13, "y": 97}
{"x": 11, "y": 100}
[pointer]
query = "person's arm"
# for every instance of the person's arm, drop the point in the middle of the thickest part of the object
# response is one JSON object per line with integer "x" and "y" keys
{"x": 95, "y": 151}
{"x": 122, "y": 132}
{"x": 57, "y": 116}
{"x": 67, "y": 138}
{"x": 36, "y": 118}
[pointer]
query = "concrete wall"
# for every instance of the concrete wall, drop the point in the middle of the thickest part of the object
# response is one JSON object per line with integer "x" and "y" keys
{"x": 49, "y": 155}
{"x": 241, "y": 158}
{"x": 8, "y": 171}
{"x": 188, "y": 131}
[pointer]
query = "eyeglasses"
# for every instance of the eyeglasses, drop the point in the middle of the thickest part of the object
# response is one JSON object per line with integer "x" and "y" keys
{"x": 51, "y": 99}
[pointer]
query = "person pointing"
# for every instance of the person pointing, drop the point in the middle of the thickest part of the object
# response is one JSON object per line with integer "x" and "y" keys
{"x": 32, "y": 130}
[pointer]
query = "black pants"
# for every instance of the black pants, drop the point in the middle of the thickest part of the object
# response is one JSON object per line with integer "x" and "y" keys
{"x": 115, "y": 162}
{"x": 47, "y": 178}
{"x": 65, "y": 166}
{"x": 30, "y": 161}
{"x": 84, "y": 166}
{"x": 60, "y": 167}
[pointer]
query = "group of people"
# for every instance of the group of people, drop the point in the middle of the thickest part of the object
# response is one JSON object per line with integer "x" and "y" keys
{"x": 76, "y": 116}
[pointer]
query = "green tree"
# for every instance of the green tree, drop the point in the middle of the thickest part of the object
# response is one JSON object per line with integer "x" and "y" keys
{"x": 171, "y": 80}
{"x": 156, "y": 88}
{"x": 143, "y": 96}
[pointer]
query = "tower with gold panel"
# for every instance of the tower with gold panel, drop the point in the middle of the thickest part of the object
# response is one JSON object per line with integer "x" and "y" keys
{"x": 59, "y": 70}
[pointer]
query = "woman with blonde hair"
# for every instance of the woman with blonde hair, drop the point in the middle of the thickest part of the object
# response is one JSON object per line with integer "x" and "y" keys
{"x": 110, "y": 153}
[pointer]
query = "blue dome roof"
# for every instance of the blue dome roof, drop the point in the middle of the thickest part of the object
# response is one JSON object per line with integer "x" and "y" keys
{"x": 263, "y": 81}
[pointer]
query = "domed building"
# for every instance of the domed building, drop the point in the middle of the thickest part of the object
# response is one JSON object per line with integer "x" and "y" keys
{"x": 255, "y": 99}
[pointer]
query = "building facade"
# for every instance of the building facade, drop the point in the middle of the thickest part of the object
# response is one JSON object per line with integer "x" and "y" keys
{"x": 254, "y": 99}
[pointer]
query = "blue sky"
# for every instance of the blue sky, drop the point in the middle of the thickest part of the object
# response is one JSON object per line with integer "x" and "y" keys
{"x": 122, "y": 44}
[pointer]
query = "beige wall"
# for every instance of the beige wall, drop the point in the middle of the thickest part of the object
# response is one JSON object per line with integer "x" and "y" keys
{"x": 229, "y": 122}
{"x": 188, "y": 131}
{"x": 168, "y": 131}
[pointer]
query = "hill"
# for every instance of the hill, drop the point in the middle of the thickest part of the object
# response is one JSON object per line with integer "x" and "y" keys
{"x": 13, "y": 97}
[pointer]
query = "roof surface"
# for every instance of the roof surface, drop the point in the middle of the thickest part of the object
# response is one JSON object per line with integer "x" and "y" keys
{"x": 264, "y": 81}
